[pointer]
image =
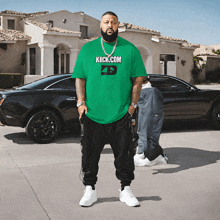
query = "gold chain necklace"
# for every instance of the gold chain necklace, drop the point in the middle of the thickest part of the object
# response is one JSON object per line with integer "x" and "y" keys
{"x": 108, "y": 55}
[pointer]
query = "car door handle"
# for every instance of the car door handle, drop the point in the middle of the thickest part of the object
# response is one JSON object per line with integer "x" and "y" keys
{"x": 71, "y": 98}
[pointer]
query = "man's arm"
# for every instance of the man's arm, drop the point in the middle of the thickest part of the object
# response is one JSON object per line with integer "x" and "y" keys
{"x": 136, "y": 91}
{"x": 80, "y": 92}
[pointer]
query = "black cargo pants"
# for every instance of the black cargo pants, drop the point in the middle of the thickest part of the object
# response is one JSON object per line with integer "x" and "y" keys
{"x": 118, "y": 135}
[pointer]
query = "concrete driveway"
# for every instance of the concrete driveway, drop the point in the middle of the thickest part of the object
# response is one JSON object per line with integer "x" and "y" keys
{"x": 41, "y": 182}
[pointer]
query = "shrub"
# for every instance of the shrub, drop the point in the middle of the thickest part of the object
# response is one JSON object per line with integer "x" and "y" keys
{"x": 8, "y": 80}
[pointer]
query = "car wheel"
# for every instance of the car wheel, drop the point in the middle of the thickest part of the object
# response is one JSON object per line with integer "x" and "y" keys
{"x": 43, "y": 127}
{"x": 216, "y": 117}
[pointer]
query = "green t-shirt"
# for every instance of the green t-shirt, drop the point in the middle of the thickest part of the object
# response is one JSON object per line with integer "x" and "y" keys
{"x": 108, "y": 82}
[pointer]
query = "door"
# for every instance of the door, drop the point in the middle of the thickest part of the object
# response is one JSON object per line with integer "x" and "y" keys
{"x": 168, "y": 64}
{"x": 181, "y": 100}
{"x": 67, "y": 99}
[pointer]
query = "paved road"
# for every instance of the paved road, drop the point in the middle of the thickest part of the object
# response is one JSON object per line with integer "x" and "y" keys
{"x": 41, "y": 182}
{"x": 210, "y": 86}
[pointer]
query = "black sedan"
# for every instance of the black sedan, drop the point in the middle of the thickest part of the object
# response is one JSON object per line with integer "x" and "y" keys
{"x": 45, "y": 106}
{"x": 183, "y": 101}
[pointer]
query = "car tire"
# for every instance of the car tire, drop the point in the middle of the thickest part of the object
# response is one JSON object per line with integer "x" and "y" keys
{"x": 43, "y": 127}
{"x": 215, "y": 116}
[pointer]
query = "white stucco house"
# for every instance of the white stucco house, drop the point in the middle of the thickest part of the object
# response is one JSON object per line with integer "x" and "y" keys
{"x": 42, "y": 43}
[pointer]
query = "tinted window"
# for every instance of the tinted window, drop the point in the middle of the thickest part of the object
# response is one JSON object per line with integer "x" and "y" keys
{"x": 42, "y": 83}
{"x": 167, "y": 84}
{"x": 68, "y": 84}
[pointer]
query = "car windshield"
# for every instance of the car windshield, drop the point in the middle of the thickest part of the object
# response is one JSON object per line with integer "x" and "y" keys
{"x": 41, "y": 83}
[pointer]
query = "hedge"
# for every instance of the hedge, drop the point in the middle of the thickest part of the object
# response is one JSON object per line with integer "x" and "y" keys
{"x": 8, "y": 80}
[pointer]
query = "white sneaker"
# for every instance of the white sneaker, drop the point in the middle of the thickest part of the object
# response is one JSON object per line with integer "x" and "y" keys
{"x": 159, "y": 160}
{"x": 128, "y": 197}
{"x": 140, "y": 160}
{"x": 89, "y": 197}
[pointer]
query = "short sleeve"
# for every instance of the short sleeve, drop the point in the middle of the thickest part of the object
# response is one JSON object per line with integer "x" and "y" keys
{"x": 79, "y": 70}
{"x": 137, "y": 65}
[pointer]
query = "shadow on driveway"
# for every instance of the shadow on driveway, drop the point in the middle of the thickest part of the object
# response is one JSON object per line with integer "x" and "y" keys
{"x": 187, "y": 158}
{"x": 64, "y": 137}
{"x": 140, "y": 199}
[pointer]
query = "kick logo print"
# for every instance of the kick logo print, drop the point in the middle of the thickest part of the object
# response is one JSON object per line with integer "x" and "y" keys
{"x": 108, "y": 70}
{"x": 115, "y": 59}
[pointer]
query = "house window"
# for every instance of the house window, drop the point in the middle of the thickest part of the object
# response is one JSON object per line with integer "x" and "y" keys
{"x": 83, "y": 30}
{"x": 11, "y": 24}
{"x": 50, "y": 22}
{"x": 32, "y": 61}
{"x": 0, "y": 21}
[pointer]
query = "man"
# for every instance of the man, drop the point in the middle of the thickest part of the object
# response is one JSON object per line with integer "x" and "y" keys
{"x": 104, "y": 72}
{"x": 150, "y": 121}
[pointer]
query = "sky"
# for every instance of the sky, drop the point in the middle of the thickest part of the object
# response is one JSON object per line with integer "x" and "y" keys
{"x": 197, "y": 21}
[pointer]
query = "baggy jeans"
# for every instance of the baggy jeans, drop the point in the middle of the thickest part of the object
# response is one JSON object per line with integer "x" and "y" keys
{"x": 150, "y": 122}
{"x": 118, "y": 135}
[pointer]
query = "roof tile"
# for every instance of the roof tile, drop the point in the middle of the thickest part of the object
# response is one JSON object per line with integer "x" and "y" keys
{"x": 12, "y": 35}
{"x": 24, "y": 14}
{"x": 135, "y": 27}
{"x": 44, "y": 26}
{"x": 204, "y": 50}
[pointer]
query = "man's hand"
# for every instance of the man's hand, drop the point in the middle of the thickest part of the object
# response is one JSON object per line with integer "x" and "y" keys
{"x": 131, "y": 110}
{"x": 81, "y": 110}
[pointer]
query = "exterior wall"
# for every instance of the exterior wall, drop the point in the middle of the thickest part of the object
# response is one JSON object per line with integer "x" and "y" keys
{"x": 37, "y": 39}
{"x": 4, "y": 22}
{"x": 10, "y": 59}
{"x": 70, "y": 41}
{"x": 93, "y": 26}
{"x": 72, "y": 20}
{"x": 155, "y": 49}
{"x": 34, "y": 32}
{"x": 212, "y": 63}
{"x": 184, "y": 71}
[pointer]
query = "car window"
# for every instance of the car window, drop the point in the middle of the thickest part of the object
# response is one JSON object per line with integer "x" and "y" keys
{"x": 168, "y": 84}
{"x": 42, "y": 83}
{"x": 67, "y": 84}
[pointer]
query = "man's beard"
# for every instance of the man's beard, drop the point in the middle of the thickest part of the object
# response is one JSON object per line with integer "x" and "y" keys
{"x": 109, "y": 38}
